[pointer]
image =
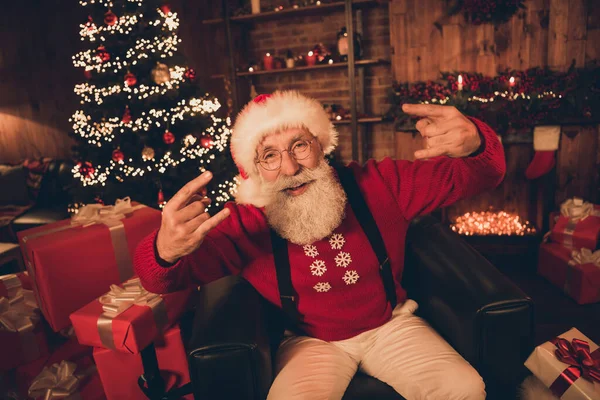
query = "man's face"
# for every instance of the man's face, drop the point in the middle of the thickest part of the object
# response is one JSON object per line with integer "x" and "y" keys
{"x": 306, "y": 201}
{"x": 284, "y": 144}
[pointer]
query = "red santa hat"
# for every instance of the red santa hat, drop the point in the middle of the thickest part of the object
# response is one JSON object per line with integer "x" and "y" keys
{"x": 268, "y": 114}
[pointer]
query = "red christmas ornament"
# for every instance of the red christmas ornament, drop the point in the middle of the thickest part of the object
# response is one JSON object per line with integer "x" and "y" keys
{"x": 87, "y": 73}
{"x": 117, "y": 155}
{"x": 85, "y": 168}
{"x": 130, "y": 79}
{"x": 110, "y": 18}
{"x": 190, "y": 74}
{"x": 99, "y": 200}
{"x": 165, "y": 9}
{"x": 206, "y": 141}
{"x": 168, "y": 137}
{"x": 126, "y": 116}
{"x": 90, "y": 24}
{"x": 102, "y": 54}
{"x": 161, "y": 197}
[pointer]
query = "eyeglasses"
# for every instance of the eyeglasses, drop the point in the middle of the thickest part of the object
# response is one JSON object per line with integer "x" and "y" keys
{"x": 271, "y": 159}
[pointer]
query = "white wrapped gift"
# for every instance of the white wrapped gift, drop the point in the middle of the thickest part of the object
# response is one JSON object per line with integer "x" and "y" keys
{"x": 577, "y": 376}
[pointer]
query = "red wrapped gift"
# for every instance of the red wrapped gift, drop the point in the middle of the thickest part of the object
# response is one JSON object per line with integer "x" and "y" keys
{"x": 578, "y": 225}
{"x": 22, "y": 337}
{"x": 11, "y": 283}
{"x": 119, "y": 372}
{"x": 68, "y": 371}
{"x": 71, "y": 262}
{"x": 128, "y": 318}
{"x": 577, "y": 272}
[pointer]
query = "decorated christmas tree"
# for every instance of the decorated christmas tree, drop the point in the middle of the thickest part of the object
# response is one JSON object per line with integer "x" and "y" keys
{"x": 144, "y": 127}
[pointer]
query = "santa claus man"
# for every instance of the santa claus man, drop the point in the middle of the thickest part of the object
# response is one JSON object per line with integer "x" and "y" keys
{"x": 327, "y": 244}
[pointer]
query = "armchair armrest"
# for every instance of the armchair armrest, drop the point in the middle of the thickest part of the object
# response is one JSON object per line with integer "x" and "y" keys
{"x": 229, "y": 349}
{"x": 478, "y": 310}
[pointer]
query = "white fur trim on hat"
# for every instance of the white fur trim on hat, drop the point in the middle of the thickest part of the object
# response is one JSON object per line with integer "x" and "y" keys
{"x": 282, "y": 110}
{"x": 248, "y": 191}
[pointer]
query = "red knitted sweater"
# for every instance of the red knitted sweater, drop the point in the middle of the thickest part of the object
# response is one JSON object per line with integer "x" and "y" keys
{"x": 340, "y": 291}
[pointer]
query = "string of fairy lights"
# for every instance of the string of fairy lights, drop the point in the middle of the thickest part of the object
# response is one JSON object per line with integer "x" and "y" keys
{"x": 99, "y": 132}
{"x": 106, "y": 132}
{"x": 91, "y": 93}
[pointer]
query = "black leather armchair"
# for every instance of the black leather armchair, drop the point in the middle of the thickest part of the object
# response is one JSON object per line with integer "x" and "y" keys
{"x": 53, "y": 199}
{"x": 482, "y": 314}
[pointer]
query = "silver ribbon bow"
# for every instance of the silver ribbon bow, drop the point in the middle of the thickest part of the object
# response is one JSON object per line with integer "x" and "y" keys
{"x": 97, "y": 213}
{"x": 18, "y": 313}
{"x": 577, "y": 209}
{"x": 585, "y": 256}
{"x": 119, "y": 299}
{"x": 56, "y": 382}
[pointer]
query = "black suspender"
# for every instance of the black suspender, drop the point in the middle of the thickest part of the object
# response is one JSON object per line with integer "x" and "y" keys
{"x": 367, "y": 222}
{"x": 284, "y": 277}
{"x": 365, "y": 219}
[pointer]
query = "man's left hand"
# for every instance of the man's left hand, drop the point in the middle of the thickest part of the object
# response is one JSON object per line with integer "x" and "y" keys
{"x": 445, "y": 129}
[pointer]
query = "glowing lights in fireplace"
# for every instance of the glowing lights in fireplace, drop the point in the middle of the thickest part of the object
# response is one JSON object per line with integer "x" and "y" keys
{"x": 496, "y": 223}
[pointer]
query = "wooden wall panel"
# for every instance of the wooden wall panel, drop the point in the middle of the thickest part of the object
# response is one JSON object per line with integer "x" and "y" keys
{"x": 578, "y": 164}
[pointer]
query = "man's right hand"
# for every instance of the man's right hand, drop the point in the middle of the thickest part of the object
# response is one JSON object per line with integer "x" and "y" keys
{"x": 185, "y": 222}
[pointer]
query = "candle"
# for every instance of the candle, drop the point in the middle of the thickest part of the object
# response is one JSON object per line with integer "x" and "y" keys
{"x": 511, "y": 81}
{"x": 311, "y": 59}
{"x": 268, "y": 61}
{"x": 460, "y": 83}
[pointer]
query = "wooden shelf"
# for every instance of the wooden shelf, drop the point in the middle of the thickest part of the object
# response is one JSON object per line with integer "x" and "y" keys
{"x": 306, "y": 68}
{"x": 366, "y": 120}
{"x": 292, "y": 12}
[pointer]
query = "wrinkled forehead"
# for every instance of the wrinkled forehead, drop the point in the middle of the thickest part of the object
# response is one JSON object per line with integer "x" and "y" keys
{"x": 283, "y": 138}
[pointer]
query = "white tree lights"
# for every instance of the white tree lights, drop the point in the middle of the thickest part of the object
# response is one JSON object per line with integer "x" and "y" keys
{"x": 141, "y": 117}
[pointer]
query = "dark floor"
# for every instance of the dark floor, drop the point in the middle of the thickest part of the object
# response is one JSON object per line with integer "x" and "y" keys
{"x": 555, "y": 312}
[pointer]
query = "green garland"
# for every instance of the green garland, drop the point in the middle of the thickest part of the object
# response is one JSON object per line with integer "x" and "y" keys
{"x": 533, "y": 97}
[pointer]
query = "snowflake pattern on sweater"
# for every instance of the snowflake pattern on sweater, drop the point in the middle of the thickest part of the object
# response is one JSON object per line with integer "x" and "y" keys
{"x": 318, "y": 268}
{"x": 310, "y": 250}
{"x": 343, "y": 259}
{"x": 337, "y": 241}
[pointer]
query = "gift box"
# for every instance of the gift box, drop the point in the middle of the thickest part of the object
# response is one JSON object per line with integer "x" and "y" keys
{"x": 577, "y": 272}
{"x": 67, "y": 373}
{"x": 578, "y": 226}
{"x": 22, "y": 336}
{"x": 11, "y": 283}
{"x": 119, "y": 371}
{"x": 568, "y": 365}
{"x": 128, "y": 318}
{"x": 73, "y": 261}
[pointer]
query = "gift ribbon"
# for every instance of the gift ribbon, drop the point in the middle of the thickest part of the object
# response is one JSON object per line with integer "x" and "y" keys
{"x": 582, "y": 364}
{"x": 580, "y": 257}
{"x": 91, "y": 214}
{"x": 575, "y": 210}
{"x": 58, "y": 381}
{"x": 119, "y": 299}
{"x": 18, "y": 314}
{"x": 11, "y": 283}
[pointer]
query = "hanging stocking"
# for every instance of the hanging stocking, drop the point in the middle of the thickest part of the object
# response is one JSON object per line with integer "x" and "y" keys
{"x": 545, "y": 144}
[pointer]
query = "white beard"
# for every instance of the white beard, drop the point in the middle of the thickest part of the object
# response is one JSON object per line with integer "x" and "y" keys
{"x": 314, "y": 214}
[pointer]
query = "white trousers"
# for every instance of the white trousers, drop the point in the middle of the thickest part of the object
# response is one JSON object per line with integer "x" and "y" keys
{"x": 406, "y": 353}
